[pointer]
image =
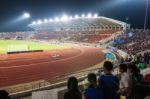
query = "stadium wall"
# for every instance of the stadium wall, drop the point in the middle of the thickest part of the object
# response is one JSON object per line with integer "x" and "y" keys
{"x": 30, "y": 51}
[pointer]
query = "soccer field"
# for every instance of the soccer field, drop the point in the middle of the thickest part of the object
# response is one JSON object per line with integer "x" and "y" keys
{"x": 31, "y": 45}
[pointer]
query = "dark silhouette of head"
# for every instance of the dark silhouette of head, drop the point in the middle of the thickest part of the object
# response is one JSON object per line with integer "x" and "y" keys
{"x": 92, "y": 80}
{"x": 123, "y": 68}
{"x": 108, "y": 66}
{"x": 133, "y": 68}
{"x": 73, "y": 84}
{"x": 4, "y": 94}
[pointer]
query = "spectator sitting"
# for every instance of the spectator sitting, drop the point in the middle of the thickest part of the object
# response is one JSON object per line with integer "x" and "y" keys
{"x": 93, "y": 92}
{"x": 125, "y": 87}
{"x": 109, "y": 82}
{"x": 4, "y": 95}
{"x": 73, "y": 91}
{"x": 129, "y": 43}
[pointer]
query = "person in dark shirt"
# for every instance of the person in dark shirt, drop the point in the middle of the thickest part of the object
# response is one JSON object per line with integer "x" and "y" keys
{"x": 93, "y": 91}
{"x": 73, "y": 91}
{"x": 134, "y": 73}
{"x": 4, "y": 94}
{"x": 109, "y": 82}
{"x": 136, "y": 77}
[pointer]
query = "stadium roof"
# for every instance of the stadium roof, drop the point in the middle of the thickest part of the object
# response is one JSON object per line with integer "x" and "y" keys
{"x": 66, "y": 22}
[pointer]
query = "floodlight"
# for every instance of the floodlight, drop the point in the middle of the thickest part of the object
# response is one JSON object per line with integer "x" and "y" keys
{"x": 39, "y": 22}
{"x": 76, "y": 16}
{"x": 89, "y": 15}
{"x": 50, "y": 20}
{"x": 26, "y": 15}
{"x": 83, "y": 15}
{"x": 56, "y": 19}
{"x": 45, "y": 20}
{"x": 64, "y": 18}
{"x": 22, "y": 17}
{"x": 70, "y": 18}
{"x": 33, "y": 23}
{"x": 95, "y": 15}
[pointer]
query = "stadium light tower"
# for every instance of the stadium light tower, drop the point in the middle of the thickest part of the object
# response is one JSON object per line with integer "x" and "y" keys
{"x": 83, "y": 15}
{"x": 146, "y": 14}
{"x": 95, "y": 15}
{"x": 89, "y": 15}
{"x": 33, "y": 23}
{"x": 21, "y": 17}
{"x": 26, "y": 15}
{"x": 45, "y": 20}
{"x": 76, "y": 16}
{"x": 39, "y": 22}
{"x": 64, "y": 18}
{"x": 50, "y": 20}
{"x": 56, "y": 19}
{"x": 70, "y": 18}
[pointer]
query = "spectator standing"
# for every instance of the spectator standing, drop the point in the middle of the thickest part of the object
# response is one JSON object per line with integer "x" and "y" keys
{"x": 134, "y": 73}
{"x": 109, "y": 82}
{"x": 93, "y": 91}
{"x": 73, "y": 91}
{"x": 125, "y": 86}
{"x": 136, "y": 77}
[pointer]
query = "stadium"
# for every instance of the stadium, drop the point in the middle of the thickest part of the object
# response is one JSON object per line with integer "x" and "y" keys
{"x": 40, "y": 55}
{"x": 38, "y": 63}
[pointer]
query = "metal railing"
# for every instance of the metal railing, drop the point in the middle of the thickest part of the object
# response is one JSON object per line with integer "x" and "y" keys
{"x": 46, "y": 84}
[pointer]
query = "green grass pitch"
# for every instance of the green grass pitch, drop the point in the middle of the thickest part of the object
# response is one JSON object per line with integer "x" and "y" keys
{"x": 32, "y": 45}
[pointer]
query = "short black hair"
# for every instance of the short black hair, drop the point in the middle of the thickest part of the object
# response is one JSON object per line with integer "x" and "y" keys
{"x": 134, "y": 68}
{"x": 108, "y": 65}
{"x": 92, "y": 78}
{"x": 123, "y": 67}
{"x": 73, "y": 83}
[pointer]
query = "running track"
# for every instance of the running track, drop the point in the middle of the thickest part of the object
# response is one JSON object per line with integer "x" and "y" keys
{"x": 24, "y": 68}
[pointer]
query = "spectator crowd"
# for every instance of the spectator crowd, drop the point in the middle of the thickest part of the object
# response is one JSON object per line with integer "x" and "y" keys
{"x": 134, "y": 41}
{"x": 128, "y": 84}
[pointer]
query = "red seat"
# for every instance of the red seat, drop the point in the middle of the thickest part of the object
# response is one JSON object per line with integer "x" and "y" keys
{"x": 147, "y": 77}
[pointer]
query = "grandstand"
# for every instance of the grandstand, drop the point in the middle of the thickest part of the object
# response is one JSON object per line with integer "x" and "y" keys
{"x": 79, "y": 54}
{"x": 89, "y": 30}
{"x": 79, "y": 29}
{"x": 80, "y": 24}
{"x": 16, "y": 35}
{"x": 58, "y": 50}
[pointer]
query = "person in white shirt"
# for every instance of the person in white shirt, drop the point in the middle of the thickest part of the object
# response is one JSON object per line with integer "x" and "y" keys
{"x": 125, "y": 83}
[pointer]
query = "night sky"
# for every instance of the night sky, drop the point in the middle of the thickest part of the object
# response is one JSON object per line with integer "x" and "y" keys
{"x": 11, "y": 10}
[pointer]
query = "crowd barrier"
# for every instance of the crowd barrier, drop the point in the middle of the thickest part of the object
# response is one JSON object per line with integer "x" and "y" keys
{"x": 59, "y": 81}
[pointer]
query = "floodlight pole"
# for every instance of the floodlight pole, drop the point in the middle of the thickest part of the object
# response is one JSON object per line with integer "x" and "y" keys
{"x": 146, "y": 13}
